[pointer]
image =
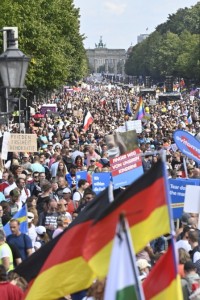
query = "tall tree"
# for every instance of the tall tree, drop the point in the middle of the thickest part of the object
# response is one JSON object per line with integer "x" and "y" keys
{"x": 49, "y": 34}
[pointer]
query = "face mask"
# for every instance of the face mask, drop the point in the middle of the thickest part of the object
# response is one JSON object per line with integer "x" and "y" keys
{"x": 114, "y": 152}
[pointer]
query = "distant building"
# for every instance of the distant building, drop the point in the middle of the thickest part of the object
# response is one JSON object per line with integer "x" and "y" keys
{"x": 142, "y": 37}
{"x": 101, "y": 59}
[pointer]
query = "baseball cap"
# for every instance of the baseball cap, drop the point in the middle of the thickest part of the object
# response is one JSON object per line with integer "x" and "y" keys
{"x": 25, "y": 155}
{"x": 40, "y": 230}
{"x": 66, "y": 191}
{"x": 92, "y": 159}
{"x": 30, "y": 216}
{"x": 185, "y": 218}
{"x": 143, "y": 263}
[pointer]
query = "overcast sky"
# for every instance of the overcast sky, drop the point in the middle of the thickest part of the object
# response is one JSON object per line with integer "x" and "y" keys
{"x": 119, "y": 22}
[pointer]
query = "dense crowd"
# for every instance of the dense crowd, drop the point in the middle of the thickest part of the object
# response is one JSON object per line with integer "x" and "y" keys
{"x": 46, "y": 181}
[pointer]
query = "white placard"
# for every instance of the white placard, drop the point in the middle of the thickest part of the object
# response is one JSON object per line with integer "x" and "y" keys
{"x": 134, "y": 125}
{"x": 192, "y": 199}
{"x": 191, "y": 98}
{"x": 152, "y": 102}
{"x": 4, "y": 151}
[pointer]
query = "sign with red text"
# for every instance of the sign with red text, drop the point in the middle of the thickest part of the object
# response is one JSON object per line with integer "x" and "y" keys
{"x": 126, "y": 168}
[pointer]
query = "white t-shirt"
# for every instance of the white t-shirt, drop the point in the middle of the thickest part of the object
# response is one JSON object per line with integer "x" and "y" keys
{"x": 8, "y": 189}
{"x": 24, "y": 195}
{"x": 77, "y": 196}
{"x": 4, "y": 251}
{"x": 196, "y": 257}
{"x": 32, "y": 234}
{"x": 183, "y": 244}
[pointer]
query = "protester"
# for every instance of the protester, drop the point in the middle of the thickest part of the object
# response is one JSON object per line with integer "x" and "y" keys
{"x": 20, "y": 240}
{"x": 8, "y": 290}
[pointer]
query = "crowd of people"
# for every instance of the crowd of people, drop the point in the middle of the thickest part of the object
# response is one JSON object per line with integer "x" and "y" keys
{"x": 46, "y": 180}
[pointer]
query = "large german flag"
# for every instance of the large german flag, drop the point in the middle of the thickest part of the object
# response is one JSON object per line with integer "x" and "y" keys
{"x": 145, "y": 204}
{"x": 163, "y": 282}
{"x": 58, "y": 269}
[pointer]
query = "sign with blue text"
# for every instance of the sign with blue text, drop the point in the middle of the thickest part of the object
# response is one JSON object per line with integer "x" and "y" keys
{"x": 100, "y": 181}
{"x": 187, "y": 144}
{"x": 177, "y": 189}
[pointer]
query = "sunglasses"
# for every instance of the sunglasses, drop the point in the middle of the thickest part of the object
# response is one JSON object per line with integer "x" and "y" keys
{"x": 30, "y": 217}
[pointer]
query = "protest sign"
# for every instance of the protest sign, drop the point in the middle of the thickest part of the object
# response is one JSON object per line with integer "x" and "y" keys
{"x": 100, "y": 181}
{"x": 22, "y": 142}
{"x": 192, "y": 199}
{"x": 77, "y": 113}
{"x": 187, "y": 144}
{"x": 131, "y": 125}
{"x": 126, "y": 165}
{"x": 4, "y": 151}
{"x": 152, "y": 102}
{"x": 80, "y": 175}
{"x": 126, "y": 168}
{"x": 177, "y": 189}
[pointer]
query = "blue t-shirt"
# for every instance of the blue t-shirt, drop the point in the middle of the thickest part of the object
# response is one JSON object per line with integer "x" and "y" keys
{"x": 22, "y": 242}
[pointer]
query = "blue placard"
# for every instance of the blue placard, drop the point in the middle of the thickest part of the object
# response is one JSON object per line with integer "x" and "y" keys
{"x": 127, "y": 178}
{"x": 177, "y": 192}
{"x": 80, "y": 175}
{"x": 100, "y": 181}
{"x": 187, "y": 144}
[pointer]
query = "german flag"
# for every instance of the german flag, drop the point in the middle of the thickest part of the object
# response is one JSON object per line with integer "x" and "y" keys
{"x": 58, "y": 268}
{"x": 163, "y": 282}
{"x": 145, "y": 204}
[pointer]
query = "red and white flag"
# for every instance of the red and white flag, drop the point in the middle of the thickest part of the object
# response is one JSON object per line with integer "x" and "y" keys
{"x": 88, "y": 120}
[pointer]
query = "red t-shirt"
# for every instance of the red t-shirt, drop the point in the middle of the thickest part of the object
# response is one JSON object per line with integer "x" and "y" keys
{"x": 3, "y": 185}
{"x": 8, "y": 291}
{"x": 70, "y": 207}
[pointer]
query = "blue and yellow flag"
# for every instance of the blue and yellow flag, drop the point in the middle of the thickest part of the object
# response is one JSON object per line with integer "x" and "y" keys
{"x": 21, "y": 216}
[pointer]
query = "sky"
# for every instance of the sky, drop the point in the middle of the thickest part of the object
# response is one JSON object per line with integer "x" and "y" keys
{"x": 119, "y": 22}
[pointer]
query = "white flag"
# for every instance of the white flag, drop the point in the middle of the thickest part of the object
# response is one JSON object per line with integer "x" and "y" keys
{"x": 122, "y": 281}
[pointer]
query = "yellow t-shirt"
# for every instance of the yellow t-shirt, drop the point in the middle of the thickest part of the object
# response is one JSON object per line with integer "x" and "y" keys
{"x": 5, "y": 251}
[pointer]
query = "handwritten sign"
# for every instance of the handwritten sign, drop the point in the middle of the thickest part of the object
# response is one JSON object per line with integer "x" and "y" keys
{"x": 22, "y": 143}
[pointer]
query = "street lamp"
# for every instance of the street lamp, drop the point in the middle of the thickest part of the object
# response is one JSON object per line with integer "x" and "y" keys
{"x": 13, "y": 67}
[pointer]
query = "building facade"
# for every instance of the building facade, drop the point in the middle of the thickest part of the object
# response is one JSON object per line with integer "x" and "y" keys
{"x": 101, "y": 59}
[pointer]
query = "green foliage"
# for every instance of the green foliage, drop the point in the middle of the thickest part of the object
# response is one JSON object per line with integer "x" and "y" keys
{"x": 49, "y": 34}
{"x": 172, "y": 49}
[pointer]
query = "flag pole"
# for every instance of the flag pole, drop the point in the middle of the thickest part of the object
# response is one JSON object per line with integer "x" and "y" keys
{"x": 123, "y": 223}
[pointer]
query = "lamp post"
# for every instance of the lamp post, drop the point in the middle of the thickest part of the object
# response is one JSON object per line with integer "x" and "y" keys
{"x": 13, "y": 68}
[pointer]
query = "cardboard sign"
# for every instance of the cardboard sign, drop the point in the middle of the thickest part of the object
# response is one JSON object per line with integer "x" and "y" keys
{"x": 22, "y": 143}
{"x": 77, "y": 113}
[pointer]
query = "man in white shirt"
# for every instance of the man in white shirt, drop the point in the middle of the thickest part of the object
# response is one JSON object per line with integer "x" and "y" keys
{"x": 183, "y": 243}
{"x": 78, "y": 195}
{"x": 12, "y": 186}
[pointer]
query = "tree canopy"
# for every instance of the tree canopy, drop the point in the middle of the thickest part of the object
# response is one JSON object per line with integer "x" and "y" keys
{"x": 172, "y": 49}
{"x": 49, "y": 35}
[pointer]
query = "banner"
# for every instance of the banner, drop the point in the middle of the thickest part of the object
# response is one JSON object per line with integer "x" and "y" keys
{"x": 187, "y": 144}
{"x": 100, "y": 181}
{"x": 177, "y": 188}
